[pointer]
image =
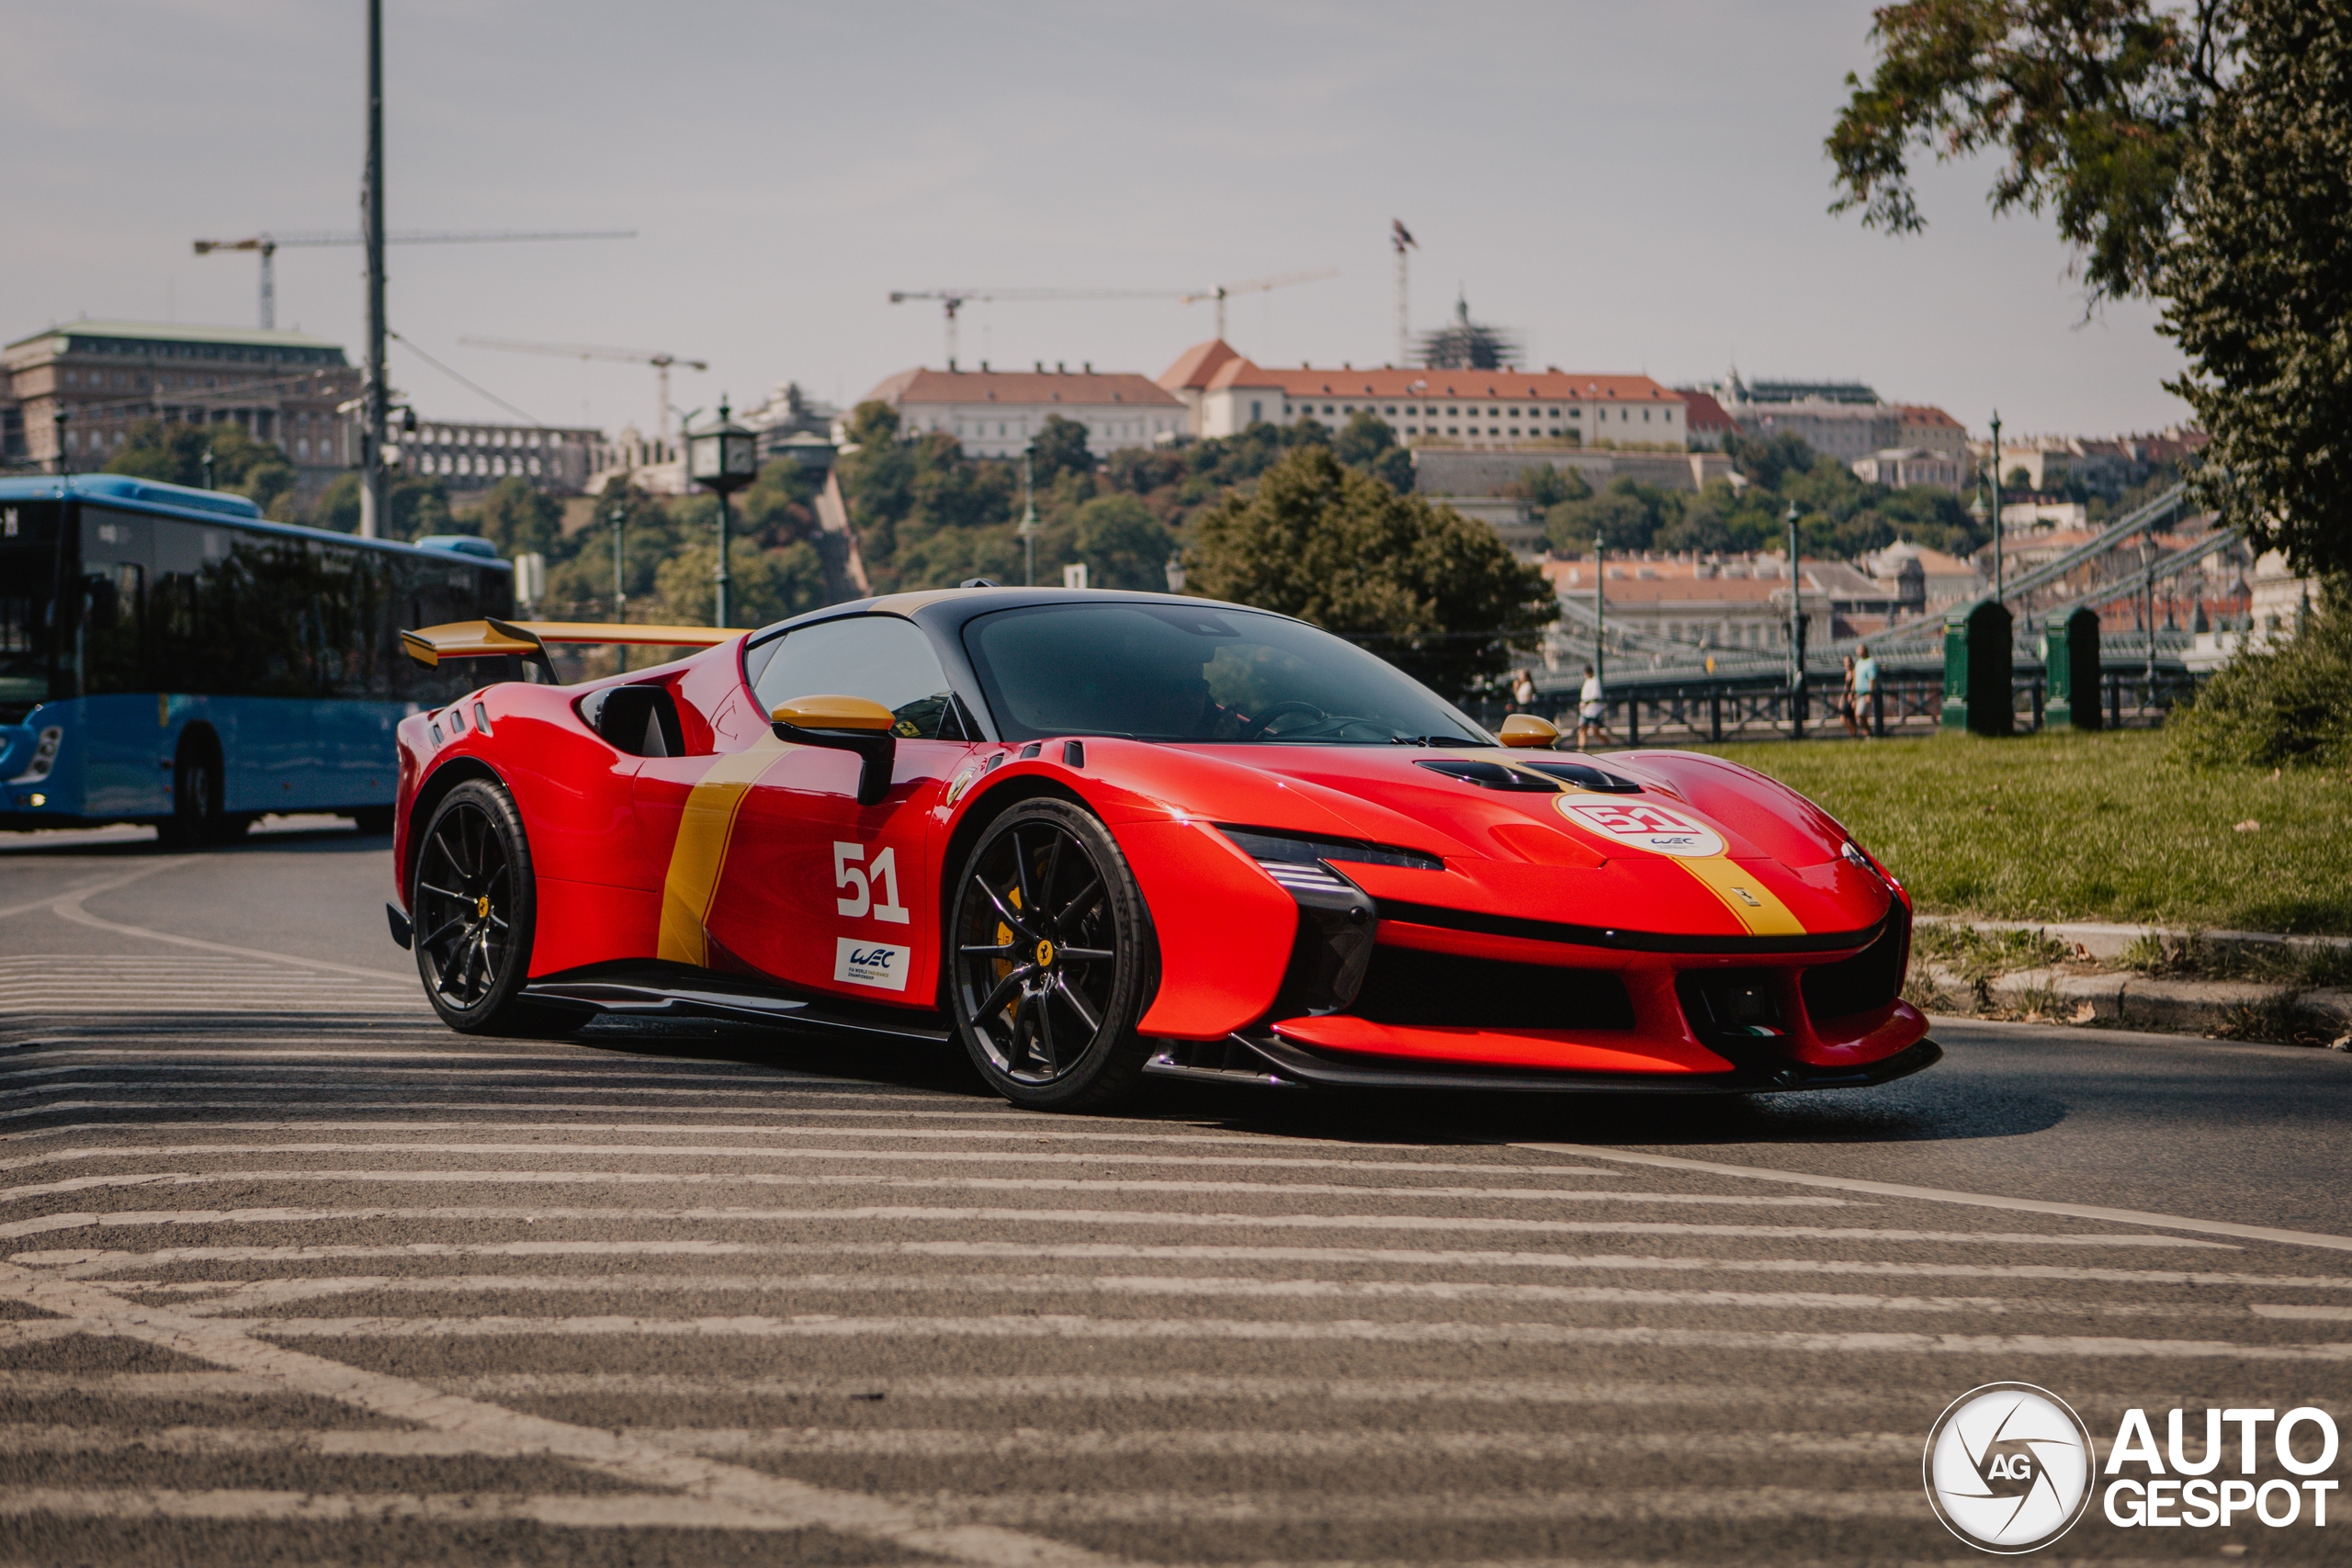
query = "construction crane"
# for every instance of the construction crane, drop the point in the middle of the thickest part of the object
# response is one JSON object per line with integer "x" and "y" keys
{"x": 1254, "y": 286}
{"x": 267, "y": 246}
{"x": 659, "y": 359}
{"x": 953, "y": 301}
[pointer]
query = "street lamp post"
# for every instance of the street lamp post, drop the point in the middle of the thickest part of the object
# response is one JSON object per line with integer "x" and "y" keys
{"x": 57, "y": 421}
{"x": 208, "y": 465}
{"x": 620, "y": 579}
{"x": 1796, "y": 632}
{"x": 722, "y": 458}
{"x": 1997, "y": 506}
{"x": 1029, "y": 524}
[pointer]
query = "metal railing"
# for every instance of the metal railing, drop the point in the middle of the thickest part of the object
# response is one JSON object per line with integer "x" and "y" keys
{"x": 1710, "y": 712}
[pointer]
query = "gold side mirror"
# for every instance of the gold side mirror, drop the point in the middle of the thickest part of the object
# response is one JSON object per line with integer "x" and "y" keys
{"x": 845, "y": 724}
{"x": 833, "y": 713}
{"x": 1524, "y": 731}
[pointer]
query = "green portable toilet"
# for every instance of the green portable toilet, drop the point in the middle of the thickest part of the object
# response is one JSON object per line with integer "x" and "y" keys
{"x": 1977, "y": 668}
{"x": 2070, "y": 659}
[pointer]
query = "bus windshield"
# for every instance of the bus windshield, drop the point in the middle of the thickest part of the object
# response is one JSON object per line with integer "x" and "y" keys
{"x": 30, "y": 571}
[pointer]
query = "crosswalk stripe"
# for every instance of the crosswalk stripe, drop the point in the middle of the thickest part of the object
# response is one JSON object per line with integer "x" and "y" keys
{"x": 938, "y": 1442}
{"x": 1071, "y": 1326}
{"x": 1445, "y": 1223}
{"x": 252, "y": 1295}
{"x": 1195, "y": 1188}
{"x": 86, "y": 1263}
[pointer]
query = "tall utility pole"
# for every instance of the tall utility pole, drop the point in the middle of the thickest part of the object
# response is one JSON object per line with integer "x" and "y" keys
{"x": 1402, "y": 239}
{"x": 375, "y": 511}
{"x": 1796, "y": 633}
{"x": 1997, "y": 506}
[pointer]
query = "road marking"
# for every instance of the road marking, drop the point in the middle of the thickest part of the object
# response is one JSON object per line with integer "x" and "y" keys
{"x": 2302, "y": 1314}
{"x": 886, "y": 1157}
{"x": 1071, "y": 1326}
{"x": 1973, "y": 1199}
{"x": 82, "y": 1220}
{"x": 69, "y": 906}
{"x": 713, "y": 1492}
{"x": 252, "y": 1295}
{"x": 948, "y": 1443}
{"x": 633, "y": 1511}
{"x": 1223, "y": 1189}
{"x": 92, "y": 889}
{"x": 751, "y": 1151}
{"x": 88, "y": 1263}
{"x": 1680, "y": 1504}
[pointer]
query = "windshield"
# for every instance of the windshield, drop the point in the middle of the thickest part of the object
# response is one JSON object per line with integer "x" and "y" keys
{"x": 1170, "y": 672}
{"x": 29, "y": 570}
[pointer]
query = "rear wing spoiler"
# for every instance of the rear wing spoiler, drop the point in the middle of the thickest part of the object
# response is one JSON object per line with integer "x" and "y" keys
{"x": 530, "y": 640}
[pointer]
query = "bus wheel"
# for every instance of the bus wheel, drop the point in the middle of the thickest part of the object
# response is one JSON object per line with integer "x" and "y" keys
{"x": 475, "y": 906}
{"x": 197, "y": 818}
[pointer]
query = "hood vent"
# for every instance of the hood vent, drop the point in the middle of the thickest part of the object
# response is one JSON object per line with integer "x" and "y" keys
{"x": 1487, "y": 775}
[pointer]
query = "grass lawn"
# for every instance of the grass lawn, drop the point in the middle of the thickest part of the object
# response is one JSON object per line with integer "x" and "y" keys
{"x": 2071, "y": 826}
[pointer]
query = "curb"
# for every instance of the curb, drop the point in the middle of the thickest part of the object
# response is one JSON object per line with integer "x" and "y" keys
{"x": 2101, "y": 941}
{"x": 2236, "y": 1007}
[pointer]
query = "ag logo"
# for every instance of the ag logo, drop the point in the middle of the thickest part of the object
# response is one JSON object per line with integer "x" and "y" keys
{"x": 2008, "y": 1468}
{"x": 1642, "y": 824}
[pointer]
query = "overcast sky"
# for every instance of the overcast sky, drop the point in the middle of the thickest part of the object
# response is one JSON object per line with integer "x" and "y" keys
{"x": 1630, "y": 189}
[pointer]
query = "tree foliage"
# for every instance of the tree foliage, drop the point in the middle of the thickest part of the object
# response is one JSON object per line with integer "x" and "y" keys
{"x": 2286, "y": 705}
{"x": 1422, "y": 586}
{"x": 173, "y": 453}
{"x": 2201, "y": 157}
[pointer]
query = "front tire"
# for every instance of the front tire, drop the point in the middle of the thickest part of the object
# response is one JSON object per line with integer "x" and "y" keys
{"x": 475, "y": 906}
{"x": 1051, "y": 959}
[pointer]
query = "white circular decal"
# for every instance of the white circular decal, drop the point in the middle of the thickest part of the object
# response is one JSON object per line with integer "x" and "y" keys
{"x": 1642, "y": 824}
{"x": 2008, "y": 1468}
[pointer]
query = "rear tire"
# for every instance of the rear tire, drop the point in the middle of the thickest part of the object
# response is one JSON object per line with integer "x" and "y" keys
{"x": 1051, "y": 961}
{"x": 475, "y": 909}
{"x": 197, "y": 819}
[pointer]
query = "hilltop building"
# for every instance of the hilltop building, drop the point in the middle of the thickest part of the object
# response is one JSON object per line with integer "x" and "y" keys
{"x": 473, "y": 455}
{"x": 1224, "y": 393}
{"x": 106, "y": 377}
{"x": 1727, "y": 601}
{"x": 996, "y": 413}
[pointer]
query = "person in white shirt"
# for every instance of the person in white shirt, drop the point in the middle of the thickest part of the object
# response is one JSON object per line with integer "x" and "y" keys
{"x": 1522, "y": 692}
{"x": 1592, "y": 711}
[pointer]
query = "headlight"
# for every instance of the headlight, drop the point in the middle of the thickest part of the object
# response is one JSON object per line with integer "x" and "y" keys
{"x": 1863, "y": 858}
{"x": 44, "y": 756}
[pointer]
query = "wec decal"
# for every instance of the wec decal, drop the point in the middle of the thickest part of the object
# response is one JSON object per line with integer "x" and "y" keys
{"x": 1643, "y": 824}
{"x": 871, "y": 964}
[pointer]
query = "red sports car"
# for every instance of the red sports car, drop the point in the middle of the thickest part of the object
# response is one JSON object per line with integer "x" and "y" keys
{"x": 1100, "y": 836}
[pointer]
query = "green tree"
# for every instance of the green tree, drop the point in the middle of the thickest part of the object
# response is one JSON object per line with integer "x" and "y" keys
{"x": 2289, "y": 704}
{"x": 763, "y": 585}
{"x": 420, "y": 505}
{"x": 1430, "y": 590}
{"x": 518, "y": 518}
{"x": 173, "y": 453}
{"x": 1123, "y": 545}
{"x": 1369, "y": 443}
{"x": 2201, "y": 157}
{"x": 1059, "y": 448}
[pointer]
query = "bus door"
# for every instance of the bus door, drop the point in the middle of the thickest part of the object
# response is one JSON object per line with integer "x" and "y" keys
{"x": 124, "y": 737}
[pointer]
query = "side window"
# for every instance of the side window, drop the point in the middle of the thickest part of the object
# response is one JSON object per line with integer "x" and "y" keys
{"x": 880, "y": 658}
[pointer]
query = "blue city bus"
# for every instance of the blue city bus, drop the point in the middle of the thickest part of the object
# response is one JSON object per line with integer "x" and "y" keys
{"x": 168, "y": 655}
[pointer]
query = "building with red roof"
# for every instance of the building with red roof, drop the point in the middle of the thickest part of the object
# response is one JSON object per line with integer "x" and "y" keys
{"x": 997, "y": 413}
{"x": 1224, "y": 393}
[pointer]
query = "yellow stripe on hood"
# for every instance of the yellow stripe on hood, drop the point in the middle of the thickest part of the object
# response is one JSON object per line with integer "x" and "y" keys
{"x": 1744, "y": 894}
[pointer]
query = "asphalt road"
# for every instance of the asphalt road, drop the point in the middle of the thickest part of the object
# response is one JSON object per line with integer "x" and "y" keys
{"x": 292, "y": 1274}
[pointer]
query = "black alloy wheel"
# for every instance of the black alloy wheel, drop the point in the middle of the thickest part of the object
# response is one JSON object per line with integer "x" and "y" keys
{"x": 472, "y": 902}
{"x": 1052, "y": 960}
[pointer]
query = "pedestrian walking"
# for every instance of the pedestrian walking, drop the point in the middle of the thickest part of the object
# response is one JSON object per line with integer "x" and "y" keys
{"x": 1865, "y": 688}
{"x": 1846, "y": 700}
{"x": 1522, "y": 692}
{"x": 1592, "y": 711}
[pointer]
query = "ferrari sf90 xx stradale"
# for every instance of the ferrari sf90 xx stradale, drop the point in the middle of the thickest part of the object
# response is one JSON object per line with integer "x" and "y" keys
{"x": 1100, "y": 836}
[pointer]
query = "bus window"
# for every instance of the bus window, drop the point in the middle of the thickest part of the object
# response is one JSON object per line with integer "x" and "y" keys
{"x": 117, "y": 554}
